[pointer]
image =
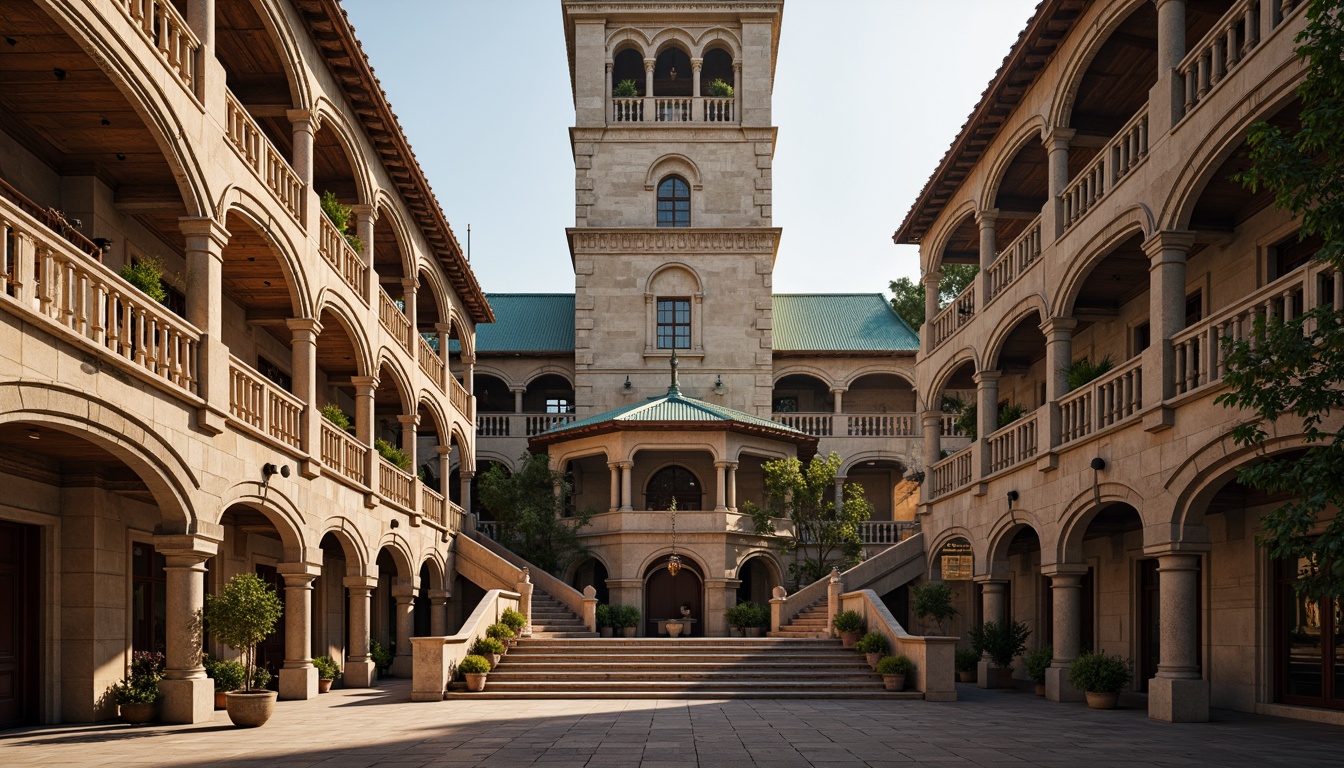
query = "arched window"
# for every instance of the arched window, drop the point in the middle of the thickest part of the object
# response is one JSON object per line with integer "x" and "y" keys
{"x": 674, "y": 202}
{"x": 670, "y": 483}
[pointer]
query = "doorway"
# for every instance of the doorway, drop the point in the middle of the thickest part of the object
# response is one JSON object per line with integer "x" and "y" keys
{"x": 666, "y": 595}
{"x": 1308, "y": 642}
{"x": 20, "y": 580}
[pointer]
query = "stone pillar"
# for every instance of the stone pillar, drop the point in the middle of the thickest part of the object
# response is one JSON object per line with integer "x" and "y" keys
{"x": 445, "y": 331}
{"x": 359, "y": 669}
{"x": 778, "y": 596}
{"x": 590, "y": 608}
{"x": 932, "y": 421}
{"x": 517, "y": 398}
{"x": 446, "y": 468}
{"x": 201, "y": 20}
{"x": 987, "y": 219}
{"x": 606, "y": 95}
{"x": 1178, "y": 694}
{"x": 404, "y": 595}
{"x": 365, "y": 217}
{"x": 304, "y": 333}
{"x": 720, "y": 489}
{"x": 1057, "y": 149}
{"x": 614, "y": 468}
{"x": 298, "y": 676}
{"x": 468, "y": 377}
{"x": 987, "y": 412}
{"x": 1058, "y": 333}
{"x": 992, "y": 596}
{"x": 1166, "y": 101}
{"x": 732, "y": 486}
{"x": 410, "y": 422}
{"x": 409, "y": 287}
{"x": 627, "y": 493}
{"x": 188, "y": 695}
{"x": 931, "y": 280}
{"x": 205, "y": 240}
{"x": 697, "y": 105}
{"x": 839, "y": 492}
{"x": 524, "y": 589}
{"x": 438, "y": 612}
{"x": 648, "y": 89}
{"x": 465, "y": 477}
{"x": 737, "y": 89}
{"x": 304, "y": 124}
{"x": 835, "y": 587}
{"x": 839, "y": 394}
{"x": 364, "y": 426}
{"x": 1166, "y": 316}
{"x": 1066, "y": 593}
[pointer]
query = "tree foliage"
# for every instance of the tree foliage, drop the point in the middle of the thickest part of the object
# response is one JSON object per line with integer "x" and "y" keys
{"x": 822, "y": 536}
{"x": 1292, "y": 369}
{"x": 242, "y": 615}
{"x": 908, "y": 296}
{"x": 534, "y": 521}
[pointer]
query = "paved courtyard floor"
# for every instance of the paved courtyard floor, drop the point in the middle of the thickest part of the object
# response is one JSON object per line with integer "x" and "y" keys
{"x": 356, "y": 728}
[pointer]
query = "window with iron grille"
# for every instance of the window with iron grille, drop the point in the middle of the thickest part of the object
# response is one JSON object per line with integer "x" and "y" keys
{"x": 674, "y": 323}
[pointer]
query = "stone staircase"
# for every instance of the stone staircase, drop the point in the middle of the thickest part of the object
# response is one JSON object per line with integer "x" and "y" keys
{"x": 553, "y": 619}
{"x": 681, "y": 668}
{"x": 811, "y": 622}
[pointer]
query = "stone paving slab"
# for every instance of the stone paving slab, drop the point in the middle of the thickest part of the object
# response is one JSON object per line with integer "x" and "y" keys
{"x": 381, "y": 727}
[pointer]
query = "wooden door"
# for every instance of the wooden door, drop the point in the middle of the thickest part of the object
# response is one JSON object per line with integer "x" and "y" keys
{"x": 271, "y": 652}
{"x": 19, "y": 581}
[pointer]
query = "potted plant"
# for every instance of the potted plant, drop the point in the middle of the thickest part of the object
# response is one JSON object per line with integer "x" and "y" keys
{"x": 1036, "y": 664}
{"x": 737, "y": 618}
{"x": 333, "y": 413}
{"x": 147, "y": 276}
{"x": 934, "y": 601}
{"x": 894, "y": 670}
{"x": 327, "y": 670}
{"x": 380, "y": 656}
{"x": 228, "y": 676}
{"x": 1101, "y": 677}
{"x": 625, "y": 618}
{"x": 874, "y": 645}
{"x": 850, "y": 625}
{"x": 515, "y": 621}
{"x": 241, "y": 616}
{"x": 501, "y": 632}
{"x": 474, "y": 668}
{"x": 488, "y": 648}
{"x": 759, "y": 620}
{"x": 137, "y": 694}
{"x": 604, "y": 620}
{"x": 626, "y": 89}
{"x": 1084, "y": 371}
{"x": 965, "y": 660}
{"x": 1004, "y": 641}
{"x": 720, "y": 89}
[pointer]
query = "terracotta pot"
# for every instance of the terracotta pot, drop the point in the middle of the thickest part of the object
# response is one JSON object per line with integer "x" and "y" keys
{"x": 324, "y": 685}
{"x": 604, "y": 631}
{"x": 220, "y": 701}
{"x": 753, "y": 631}
{"x": 137, "y": 714}
{"x": 1004, "y": 677}
{"x": 628, "y": 632}
{"x": 493, "y": 658}
{"x": 848, "y": 639}
{"x": 873, "y": 658}
{"x": 249, "y": 710}
{"x": 1102, "y": 700}
{"x": 966, "y": 677}
{"x": 737, "y": 632}
{"x": 893, "y": 682}
{"x": 674, "y": 628}
{"x": 475, "y": 682}
{"x": 1040, "y": 689}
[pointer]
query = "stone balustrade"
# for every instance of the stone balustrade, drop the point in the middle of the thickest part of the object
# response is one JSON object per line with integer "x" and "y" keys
{"x": 519, "y": 424}
{"x": 261, "y": 156}
{"x": 343, "y": 454}
{"x": 952, "y": 473}
{"x": 394, "y": 321}
{"x": 1110, "y": 399}
{"x": 1012, "y": 444}
{"x": 433, "y": 506}
{"x": 396, "y": 485}
{"x": 1014, "y": 259}
{"x": 953, "y": 316}
{"x": 1225, "y": 46}
{"x": 674, "y": 109}
{"x": 260, "y": 404}
{"x": 342, "y": 258}
{"x": 160, "y": 25}
{"x": 887, "y": 531}
{"x": 459, "y": 397}
{"x": 1115, "y": 161}
{"x": 430, "y": 362}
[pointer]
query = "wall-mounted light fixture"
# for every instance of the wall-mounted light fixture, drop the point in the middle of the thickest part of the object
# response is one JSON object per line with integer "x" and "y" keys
{"x": 1012, "y": 497}
{"x": 104, "y": 244}
{"x": 269, "y": 470}
{"x": 627, "y": 385}
{"x": 719, "y": 387}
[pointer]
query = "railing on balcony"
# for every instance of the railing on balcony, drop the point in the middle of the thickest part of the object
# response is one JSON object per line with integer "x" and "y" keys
{"x": 951, "y": 474}
{"x": 627, "y": 110}
{"x": 1198, "y": 350}
{"x": 1012, "y": 444}
{"x": 395, "y": 485}
{"x": 457, "y": 395}
{"x": 342, "y": 258}
{"x": 1115, "y": 161}
{"x": 815, "y": 424}
{"x": 519, "y": 424}
{"x": 676, "y": 109}
{"x": 163, "y": 27}
{"x": 259, "y": 403}
{"x": 430, "y": 363}
{"x": 1013, "y": 260}
{"x": 1108, "y": 400}
{"x": 257, "y": 151}
{"x": 881, "y": 424}
{"x": 50, "y": 276}
{"x": 343, "y": 453}
{"x": 394, "y": 321}
{"x": 492, "y": 425}
{"x": 887, "y": 531}
{"x": 953, "y": 316}
{"x": 433, "y": 506}
{"x": 720, "y": 109}
{"x": 1224, "y": 47}
{"x": 673, "y": 110}
{"x": 535, "y": 425}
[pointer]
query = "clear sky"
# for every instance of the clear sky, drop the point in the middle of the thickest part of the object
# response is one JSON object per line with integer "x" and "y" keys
{"x": 868, "y": 96}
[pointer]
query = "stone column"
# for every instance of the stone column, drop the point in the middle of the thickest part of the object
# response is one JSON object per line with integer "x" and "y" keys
{"x": 438, "y": 612}
{"x": 932, "y": 421}
{"x": 1166, "y": 316}
{"x": 359, "y": 669}
{"x": 1167, "y": 99}
{"x": 364, "y": 426}
{"x": 987, "y": 219}
{"x": 697, "y": 104}
{"x": 606, "y": 96}
{"x": 987, "y": 412}
{"x": 517, "y": 398}
{"x": 201, "y": 20}
{"x": 468, "y": 377}
{"x": 205, "y": 240}
{"x": 410, "y": 423}
{"x": 1178, "y": 694}
{"x": 993, "y": 594}
{"x": 445, "y": 467}
{"x": 465, "y": 477}
{"x": 627, "y": 493}
{"x": 365, "y": 217}
{"x": 931, "y": 280}
{"x": 1066, "y": 594}
{"x": 648, "y": 90}
{"x": 1058, "y": 333}
{"x": 720, "y": 486}
{"x": 614, "y": 468}
{"x": 445, "y": 331}
{"x": 404, "y": 595}
{"x": 409, "y": 286}
{"x": 1057, "y": 149}
{"x": 737, "y": 89}
{"x": 304, "y": 333}
{"x": 839, "y": 394}
{"x": 732, "y": 486}
{"x": 839, "y": 492}
{"x": 188, "y": 695}
{"x": 298, "y": 676}
{"x": 305, "y": 125}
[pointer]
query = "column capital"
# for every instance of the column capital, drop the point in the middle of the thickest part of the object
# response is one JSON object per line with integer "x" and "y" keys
{"x": 304, "y": 328}
{"x": 991, "y": 584}
{"x": 931, "y": 278}
{"x": 309, "y": 570}
{"x": 987, "y": 217}
{"x": 364, "y": 383}
{"x": 204, "y": 227}
{"x": 189, "y": 547}
{"x": 364, "y": 209}
{"x": 1058, "y": 325}
{"x": 466, "y": 474}
{"x": 840, "y": 390}
{"x": 516, "y": 390}
{"x": 696, "y": 64}
{"x": 986, "y": 377}
{"x": 409, "y": 419}
{"x": 1061, "y": 574}
{"x": 648, "y": 67}
{"x": 360, "y": 583}
{"x": 931, "y": 418}
{"x": 304, "y": 119}
{"x": 1164, "y": 242}
{"x": 626, "y": 464}
{"x": 410, "y": 284}
{"x": 725, "y": 465}
{"x": 443, "y": 450}
{"x": 1178, "y": 561}
{"x": 404, "y": 593}
{"x": 1057, "y": 138}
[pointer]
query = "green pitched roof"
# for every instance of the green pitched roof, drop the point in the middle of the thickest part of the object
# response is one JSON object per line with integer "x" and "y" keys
{"x": 839, "y": 322}
{"x": 528, "y": 322}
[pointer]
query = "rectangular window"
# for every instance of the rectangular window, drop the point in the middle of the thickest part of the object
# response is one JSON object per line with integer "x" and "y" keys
{"x": 674, "y": 213}
{"x": 149, "y": 598}
{"x": 559, "y": 405}
{"x": 674, "y": 324}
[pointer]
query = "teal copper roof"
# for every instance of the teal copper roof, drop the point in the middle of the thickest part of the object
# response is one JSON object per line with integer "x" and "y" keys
{"x": 528, "y": 322}
{"x": 839, "y": 322}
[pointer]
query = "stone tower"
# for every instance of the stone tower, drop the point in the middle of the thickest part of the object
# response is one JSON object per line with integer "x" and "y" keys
{"x": 672, "y": 243}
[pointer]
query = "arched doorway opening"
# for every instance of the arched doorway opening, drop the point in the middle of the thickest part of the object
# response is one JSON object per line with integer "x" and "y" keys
{"x": 758, "y": 576}
{"x": 674, "y": 597}
{"x": 592, "y": 571}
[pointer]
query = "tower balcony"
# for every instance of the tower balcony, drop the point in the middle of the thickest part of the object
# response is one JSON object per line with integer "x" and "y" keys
{"x": 674, "y": 109}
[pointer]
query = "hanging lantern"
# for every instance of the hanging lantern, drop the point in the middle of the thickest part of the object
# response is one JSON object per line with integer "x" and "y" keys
{"x": 674, "y": 564}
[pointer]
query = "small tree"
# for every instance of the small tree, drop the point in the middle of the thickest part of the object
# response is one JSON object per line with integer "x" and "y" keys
{"x": 824, "y": 537}
{"x": 533, "y": 520}
{"x": 908, "y": 295}
{"x": 243, "y": 615}
{"x": 934, "y": 601}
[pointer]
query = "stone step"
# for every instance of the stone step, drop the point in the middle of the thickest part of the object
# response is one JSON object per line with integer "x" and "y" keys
{"x": 580, "y": 633}
{"x": 579, "y": 679}
{"x": 454, "y": 695}
{"x": 726, "y": 684}
{"x": 572, "y": 661}
{"x": 513, "y": 663}
{"x": 796, "y": 635}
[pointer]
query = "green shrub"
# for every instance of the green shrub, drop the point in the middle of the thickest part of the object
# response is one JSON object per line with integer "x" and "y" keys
{"x": 261, "y": 677}
{"x": 1002, "y": 640}
{"x": 242, "y": 615}
{"x": 141, "y": 686}
{"x": 847, "y": 621}
{"x": 899, "y": 664}
{"x": 1083, "y": 371}
{"x": 1037, "y": 662}
{"x": 474, "y": 665}
{"x": 1099, "y": 673}
{"x": 720, "y": 89}
{"x": 381, "y": 657}
{"x": 147, "y": 275}
{"x": 486, "y": 645}
{"x": 1011, "y": 412}
{"x": 623, "y": 616}
{"x": 604, "y": 615}
{"x": 967, "y": 420}
{"x": 326, "y": 668}
{"x": 626, "y": 89}
{"x": 873, "y": 642}
{"x": 333, "y": 413}
{"x": 744, "y": 615}
{"x": 965, "y": 660}
{"x": 499, "y": 631}
{"x": 934, "y": 601}
{"x": 227, "y": 674}
{"x": 760, "y": 615}
{"x": 514, "y": 620}
{"x": 393, "y": 454}
{"x": 341, "y": 216}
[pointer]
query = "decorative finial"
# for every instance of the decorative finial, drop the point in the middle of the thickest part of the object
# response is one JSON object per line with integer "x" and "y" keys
{"x": 675, "y": 387}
